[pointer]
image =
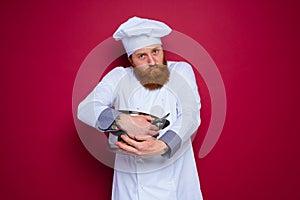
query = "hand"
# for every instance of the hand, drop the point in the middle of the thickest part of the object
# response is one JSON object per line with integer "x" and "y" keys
{"x": 137, "y": 125}
{"x": 144, "y": 146}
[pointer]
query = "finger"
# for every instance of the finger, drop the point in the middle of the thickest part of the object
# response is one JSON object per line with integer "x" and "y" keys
{"x": 148, "y": 118}
{"x": 153, "y": 133}
{"x": 142, "y": 137}
{"x": 125, "y": 147}
{"x": 153, "y": 127}
{"x": 130, "y": 141}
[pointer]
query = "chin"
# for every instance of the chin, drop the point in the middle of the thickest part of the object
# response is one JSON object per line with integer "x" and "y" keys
{"x": 153, "y": 86}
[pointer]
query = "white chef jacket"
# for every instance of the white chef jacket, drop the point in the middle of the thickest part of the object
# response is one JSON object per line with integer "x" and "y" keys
{"x": 157, "y": 177}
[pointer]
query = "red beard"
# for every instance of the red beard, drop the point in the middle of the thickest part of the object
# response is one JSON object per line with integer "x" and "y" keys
{"x": 153, "y": 77}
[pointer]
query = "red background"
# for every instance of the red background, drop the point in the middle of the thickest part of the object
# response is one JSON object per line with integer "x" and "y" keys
{"x": 254, "y": 44}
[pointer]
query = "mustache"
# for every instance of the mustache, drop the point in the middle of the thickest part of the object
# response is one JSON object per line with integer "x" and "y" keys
{"x": 158, "y": 65}
{"x": 154, "y": 65}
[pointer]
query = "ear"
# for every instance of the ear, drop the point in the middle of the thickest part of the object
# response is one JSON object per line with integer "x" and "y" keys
{"x": 130, "y": 60}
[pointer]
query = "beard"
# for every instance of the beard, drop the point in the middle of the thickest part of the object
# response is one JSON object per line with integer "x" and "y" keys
{"x": 153, "y": 77}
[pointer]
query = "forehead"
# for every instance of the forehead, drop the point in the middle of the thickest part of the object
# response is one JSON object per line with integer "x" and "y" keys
{"x": 148, "y": 48}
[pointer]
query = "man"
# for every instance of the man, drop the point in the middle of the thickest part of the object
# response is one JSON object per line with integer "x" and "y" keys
{"x": 152, "y": 161}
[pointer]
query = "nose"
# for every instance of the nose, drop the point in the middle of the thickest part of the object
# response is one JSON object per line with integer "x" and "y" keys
{"x": 151, "y": 60}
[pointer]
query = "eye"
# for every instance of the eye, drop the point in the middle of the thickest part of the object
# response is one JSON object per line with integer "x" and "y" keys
{"x": 141, "y": 56}
{"x": 155, "y": 51}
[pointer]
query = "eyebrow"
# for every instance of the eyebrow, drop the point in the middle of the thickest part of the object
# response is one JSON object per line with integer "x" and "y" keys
{"x": 152, "y": 48}
{"x": 139, "y": 54}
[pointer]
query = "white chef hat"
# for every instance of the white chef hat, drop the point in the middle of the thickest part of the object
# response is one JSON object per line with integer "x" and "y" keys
{"x": 137, "y": 33}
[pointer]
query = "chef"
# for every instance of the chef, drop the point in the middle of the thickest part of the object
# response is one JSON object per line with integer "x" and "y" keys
{"x": 152, "y": 161}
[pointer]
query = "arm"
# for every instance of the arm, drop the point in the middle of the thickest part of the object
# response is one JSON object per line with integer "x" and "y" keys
{"x": 96, "y": 109}
{"x": 147, "y": 146}
{"x": 132, "y": 125}
{"x": 184, "y": 85}
{"x": 144, "y": 146}
{"x": 187, "y": 122}
{"x": 97, "y": 105}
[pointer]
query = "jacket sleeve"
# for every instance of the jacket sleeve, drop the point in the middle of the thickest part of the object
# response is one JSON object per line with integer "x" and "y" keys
{"x": 97, "y": 106}
{"x": 183, "y": 84}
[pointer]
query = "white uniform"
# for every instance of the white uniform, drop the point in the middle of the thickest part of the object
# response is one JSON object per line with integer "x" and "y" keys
{"x": 157, "y": 177}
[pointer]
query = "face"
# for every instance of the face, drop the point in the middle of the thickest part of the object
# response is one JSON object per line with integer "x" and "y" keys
{"x": 150, "y": 66}
{"x": 149, "y": 55}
